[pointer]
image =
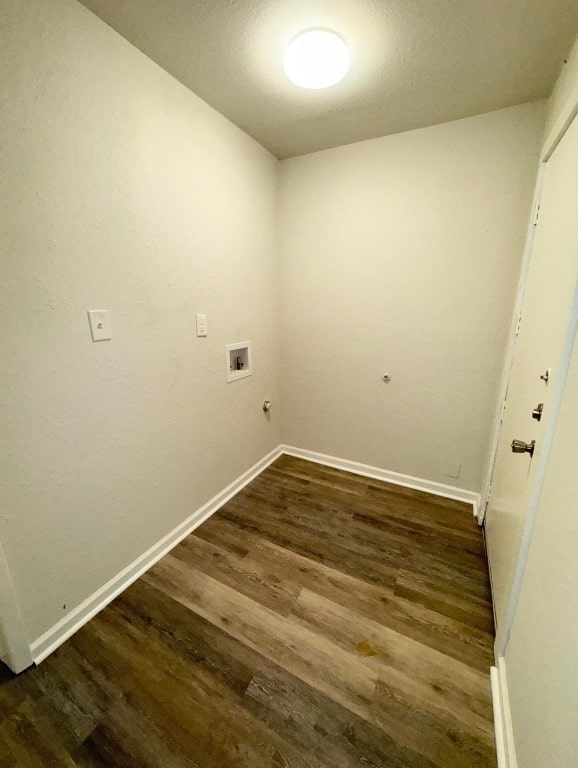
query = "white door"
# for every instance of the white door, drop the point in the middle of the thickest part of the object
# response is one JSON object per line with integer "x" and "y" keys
{"x": 549, "y": 292}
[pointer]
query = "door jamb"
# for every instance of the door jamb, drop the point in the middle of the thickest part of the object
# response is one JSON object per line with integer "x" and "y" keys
{"x": 564, "y": 121}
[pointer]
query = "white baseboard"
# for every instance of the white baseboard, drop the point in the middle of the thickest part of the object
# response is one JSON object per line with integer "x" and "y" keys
{"x": 56, "y": 635}
{"x": 407, "y": 481}
{"x": 502, "y": 717}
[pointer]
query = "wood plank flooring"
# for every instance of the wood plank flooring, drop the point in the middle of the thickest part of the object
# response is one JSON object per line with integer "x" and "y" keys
{"x": 318, "y": 620}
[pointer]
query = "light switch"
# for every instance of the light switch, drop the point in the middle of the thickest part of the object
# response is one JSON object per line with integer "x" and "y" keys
{"x": 201, "y": 325}
{"x": 99, "y": 324}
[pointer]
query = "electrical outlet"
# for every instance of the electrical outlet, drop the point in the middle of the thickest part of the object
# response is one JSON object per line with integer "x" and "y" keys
{"x": 202, "y": 325}
{"x": 99, "y": 324}
{"x": 454, "y": 469}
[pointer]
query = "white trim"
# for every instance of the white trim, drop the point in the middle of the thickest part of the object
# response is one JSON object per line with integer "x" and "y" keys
{"x": 560, "y": 127}
{"x": 512, "y": 339}
{"x": 564, "y": 120}
{"x": 14, "y": 644}
{"x": 498, "y": 719}
{"x": 407, "y": 481}
{"x": 62, "y": 630}
{"x": 505, "y": 747}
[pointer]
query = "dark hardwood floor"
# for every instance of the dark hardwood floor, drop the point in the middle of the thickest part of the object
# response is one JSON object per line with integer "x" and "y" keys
{"x": 319, "y": 620}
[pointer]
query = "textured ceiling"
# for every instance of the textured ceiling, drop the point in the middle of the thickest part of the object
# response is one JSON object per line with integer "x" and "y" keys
{"x": 414, "y": 63}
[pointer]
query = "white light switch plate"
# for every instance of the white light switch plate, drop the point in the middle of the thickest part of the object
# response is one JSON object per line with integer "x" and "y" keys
{"x": 99, "y": 324}
{"x": 201, "y": 325}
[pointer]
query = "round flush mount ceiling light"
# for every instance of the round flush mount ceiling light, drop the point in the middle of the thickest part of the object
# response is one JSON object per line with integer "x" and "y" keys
{"x": 316, "y": 59}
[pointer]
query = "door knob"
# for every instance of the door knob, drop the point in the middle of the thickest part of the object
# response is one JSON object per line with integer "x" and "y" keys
{"x": 519, "y": 446}
{"x": 537, "y": 412}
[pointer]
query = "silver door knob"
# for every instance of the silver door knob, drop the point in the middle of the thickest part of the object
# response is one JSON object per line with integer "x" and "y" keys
{"x": 537, "y": 412}
{"x": 267, "y": 406}
{"x": 519, "y": 446}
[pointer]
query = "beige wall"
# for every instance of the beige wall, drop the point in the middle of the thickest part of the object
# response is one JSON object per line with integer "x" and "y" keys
{"x": 120, "y": 190}
{"x": 402, "y": 255}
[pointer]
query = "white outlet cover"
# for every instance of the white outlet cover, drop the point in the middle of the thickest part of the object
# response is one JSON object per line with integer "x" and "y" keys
{"x": 455, "y": 469}
{"x": 202, "y": 328}
{"x": 99, "y": 324}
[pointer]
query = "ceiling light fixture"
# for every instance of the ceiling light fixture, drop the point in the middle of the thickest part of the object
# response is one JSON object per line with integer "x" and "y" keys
{"x": 316, "y": 59}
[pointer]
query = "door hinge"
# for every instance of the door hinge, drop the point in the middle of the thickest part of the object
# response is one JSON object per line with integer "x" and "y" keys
{"x": 537, "y": 212}
{"x": 489, "y": 495}
{"x": 503, "y": 411}
{"x": 518, "y": 322}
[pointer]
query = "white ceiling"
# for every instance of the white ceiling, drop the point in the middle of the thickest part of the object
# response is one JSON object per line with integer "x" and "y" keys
{"x": 414, "y": 62}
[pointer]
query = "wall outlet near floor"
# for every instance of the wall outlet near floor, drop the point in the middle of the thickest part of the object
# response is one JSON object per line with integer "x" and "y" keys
{"x": 454, "y": 469}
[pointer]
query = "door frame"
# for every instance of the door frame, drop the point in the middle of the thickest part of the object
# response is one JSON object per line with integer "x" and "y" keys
{"x": 562, "y": 124}
{"x": 16, "y": 653}
{"x": 511, "y": 348}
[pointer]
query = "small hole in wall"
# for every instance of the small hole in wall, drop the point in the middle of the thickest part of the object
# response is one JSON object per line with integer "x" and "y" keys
{"x": 64, "y": 607}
